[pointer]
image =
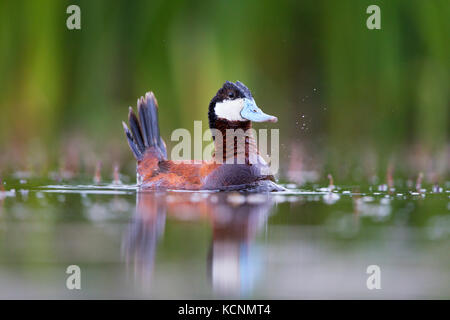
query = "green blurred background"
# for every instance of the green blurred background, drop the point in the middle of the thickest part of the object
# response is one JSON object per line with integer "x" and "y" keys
{"x": 350, "y": 101}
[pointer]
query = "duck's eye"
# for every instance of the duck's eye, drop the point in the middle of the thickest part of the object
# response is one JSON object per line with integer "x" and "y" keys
{"x": 231, "y": 95}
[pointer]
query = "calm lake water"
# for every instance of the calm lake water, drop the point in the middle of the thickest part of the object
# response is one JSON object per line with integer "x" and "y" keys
{"x": 304, "y": 243}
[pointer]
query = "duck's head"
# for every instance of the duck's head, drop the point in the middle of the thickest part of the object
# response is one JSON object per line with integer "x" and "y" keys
{"x": 234, "y": 103}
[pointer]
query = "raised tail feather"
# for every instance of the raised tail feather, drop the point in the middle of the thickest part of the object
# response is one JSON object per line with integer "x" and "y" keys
{"x": 143, "y": 134}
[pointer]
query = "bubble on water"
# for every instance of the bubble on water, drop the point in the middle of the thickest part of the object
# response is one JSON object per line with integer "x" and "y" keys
{"x": 313, "y": 198}
{"x": 368, "y": 199}
{"x": 331, "y": 198}
{"x": 383, "y": 187}
{"x": 236, "y": 198}
{"x": 9, "y": 193}
{"x": 24, "y": 194}
{"x": 214, "y": 199}
{"x": 279, "y": 198}
{"x": 39, "y": 195}
{"x": 195, "y": 197}
{"x": 256, "y": 198}
{"x": 98, "y": 212}
{"x": 292, "y": 199}
{"x": 378, "y": 212}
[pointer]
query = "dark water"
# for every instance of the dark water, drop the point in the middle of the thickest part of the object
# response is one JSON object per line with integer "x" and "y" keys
{"x": 305, "y": 243}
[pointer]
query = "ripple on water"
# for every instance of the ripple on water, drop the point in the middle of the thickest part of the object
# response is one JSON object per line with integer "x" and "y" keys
{"x": 110, "y": 189}
{"x": 293, "y": 193}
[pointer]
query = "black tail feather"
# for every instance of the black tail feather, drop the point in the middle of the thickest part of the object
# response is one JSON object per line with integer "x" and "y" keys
{"x": 150, "y": 106}
{"x": 145, "y": 131}
{"x": 136, "y": 152}
{"x": 136, "y": 130}
{"x": 146, "y": 126}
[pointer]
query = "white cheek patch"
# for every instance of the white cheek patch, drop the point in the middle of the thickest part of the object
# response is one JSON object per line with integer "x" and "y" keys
{"x": 230, "y": 109}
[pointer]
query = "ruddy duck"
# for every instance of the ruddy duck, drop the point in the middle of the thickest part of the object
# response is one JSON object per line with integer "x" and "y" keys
{"x": 233, "y": 107}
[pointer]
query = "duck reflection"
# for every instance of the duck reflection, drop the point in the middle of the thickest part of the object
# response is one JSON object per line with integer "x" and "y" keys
{"x": 235, "y": 220}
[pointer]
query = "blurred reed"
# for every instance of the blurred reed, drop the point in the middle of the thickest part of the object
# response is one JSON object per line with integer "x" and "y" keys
{"x": 353, "y": 100}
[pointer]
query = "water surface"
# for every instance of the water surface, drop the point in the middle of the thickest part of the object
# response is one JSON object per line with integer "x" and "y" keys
{"x": 304, "y": 243}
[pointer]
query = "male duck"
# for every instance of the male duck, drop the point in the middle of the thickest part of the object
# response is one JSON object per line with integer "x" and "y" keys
{"x": 233, "y": 107}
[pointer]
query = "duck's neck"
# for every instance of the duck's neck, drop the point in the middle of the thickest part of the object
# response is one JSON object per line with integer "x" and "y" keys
{"x": 237, "y": 141}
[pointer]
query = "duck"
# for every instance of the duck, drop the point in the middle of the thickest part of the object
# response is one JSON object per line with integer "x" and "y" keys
{"x": 232, "y": 168}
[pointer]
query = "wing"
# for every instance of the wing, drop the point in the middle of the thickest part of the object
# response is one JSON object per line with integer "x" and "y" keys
{"x": 177, "y": 175}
